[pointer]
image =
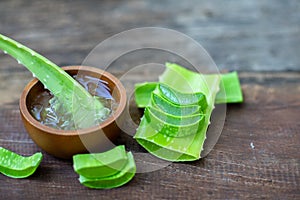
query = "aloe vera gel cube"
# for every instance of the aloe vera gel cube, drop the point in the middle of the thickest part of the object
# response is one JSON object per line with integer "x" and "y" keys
{"x": 16, "y": 166}
{"x": 105, "y": 170}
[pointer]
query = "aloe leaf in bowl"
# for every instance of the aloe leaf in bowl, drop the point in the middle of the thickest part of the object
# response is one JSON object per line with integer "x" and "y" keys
{"x": 70, "y": 94}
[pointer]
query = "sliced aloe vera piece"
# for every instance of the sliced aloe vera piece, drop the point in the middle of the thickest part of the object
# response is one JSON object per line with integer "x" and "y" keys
{"x": 17, "y": 166}
{"x": 169, "y": 148}
{"x": 230, "y": 91}
{"x": 74, "y": 98}
{"x": 143, "y": 93}
{"x": 147, "y": 94}
{"x": 179, "y": 98}
{"x": 172, "y": 119}
{"x": 163, "y": 104}
{"x": 116, "y": 180}
{"x": 181, "y": 148}
{"x": 98, "y": 165}
{"x": 186, "y": 81}
{"x": 173, "y": 126}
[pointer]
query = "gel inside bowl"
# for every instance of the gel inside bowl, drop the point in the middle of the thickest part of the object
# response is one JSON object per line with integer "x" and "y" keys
{"x": 62, "y": 143}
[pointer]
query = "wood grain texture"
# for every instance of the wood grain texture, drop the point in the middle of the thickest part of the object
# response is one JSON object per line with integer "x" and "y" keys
{"x": 245, "y": 35}
{"x": 257, "y": 155}
{"x": 269, "y": 119}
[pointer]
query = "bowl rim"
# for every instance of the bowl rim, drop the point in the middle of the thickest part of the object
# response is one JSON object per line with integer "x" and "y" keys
{"x": 49, "y": 130}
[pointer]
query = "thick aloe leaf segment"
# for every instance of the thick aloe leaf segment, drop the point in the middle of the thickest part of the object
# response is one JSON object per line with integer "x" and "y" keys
{"x": 98, "y": 165}
{"x": 173, "y": 126}
{"x": 180, "y": 86}
{"x": 71, "y": 94}
{"x": 163, "y": 104}
{"x": 179, "y": 98}
{"x": 16, "y": 166}
{"x": 113, "y": 181}
{"x": 230, "y": 90}
{"x": 143, "y": 92}
{"x": 105, "y": 170}
{"x": 169, "y": 148}
{"x": 186, "y": 81}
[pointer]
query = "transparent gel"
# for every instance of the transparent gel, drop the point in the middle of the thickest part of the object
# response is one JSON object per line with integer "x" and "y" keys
{"x": 46, "y": 109}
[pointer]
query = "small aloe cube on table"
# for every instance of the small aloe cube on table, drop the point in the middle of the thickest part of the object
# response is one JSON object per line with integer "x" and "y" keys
{"x": 98, "y": 165}
{"x": 105, "y": 170}
{"x": 17, "y": 166}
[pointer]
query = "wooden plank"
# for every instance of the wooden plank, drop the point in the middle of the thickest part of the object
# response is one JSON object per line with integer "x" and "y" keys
{"x": 245, "y": 35}
{"x": 269, "y": 119}
{"x": 257, "y": 155}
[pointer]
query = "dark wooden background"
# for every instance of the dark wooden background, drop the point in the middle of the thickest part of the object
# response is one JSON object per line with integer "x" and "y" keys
{"x": 260, "y": 39}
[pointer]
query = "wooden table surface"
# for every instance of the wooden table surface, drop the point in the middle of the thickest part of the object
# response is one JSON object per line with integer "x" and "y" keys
{"x": 259, "y": 39}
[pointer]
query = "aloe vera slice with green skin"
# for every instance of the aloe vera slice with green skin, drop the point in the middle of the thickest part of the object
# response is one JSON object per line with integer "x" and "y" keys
{"x": 74, "y": 98}
{"x": 185, "y": 81}
{"x": 230, "y": 91}
{"x": 181, "y": 148}
{"x": 100, "y": 165}
{"x": 116, "y": 180}
{"x": 143, "y": 92}
{"x": 175, "y": 149}
{"x": 183, "y": 98}
{"x": 178, "y": 110}
{"x": 16, "y": 166}
{"x": 173, "y": 126}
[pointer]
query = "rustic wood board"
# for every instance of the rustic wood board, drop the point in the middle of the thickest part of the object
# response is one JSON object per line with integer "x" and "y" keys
{"x": 244, "y": 35}
{"x": 248, "y": 36}
{"x": 269, "y": 119}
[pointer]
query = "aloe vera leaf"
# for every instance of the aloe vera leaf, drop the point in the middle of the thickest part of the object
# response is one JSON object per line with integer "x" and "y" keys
{"x": 147, "y": 94}
{"x": 143, "y": 93}
{"x": 116, "y": 180}
{"x": 169, "y": 148}
{"x": 16, "y": 166}
{"x": 173, "y": 126}
{"x": 98, "y": 165}
{"x": 70, "y": 93}
{"x": 186, "y": 81}
{"x": 230, "y": 91}
{"x": 183, "y": 98}
{"x": 172, "y": 119}
{"x": 178, "y": 110}
{"x": 184, "y": 148}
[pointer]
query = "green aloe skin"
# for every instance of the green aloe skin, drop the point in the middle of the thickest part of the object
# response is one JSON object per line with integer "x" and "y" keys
{"x": 15, "y": 166}
{"x": 86, "y": 110}
{"x": 230, "y": 91}
{"x": 176, "y": 95}
{"x": 106, "y": 170}
{"x": 102, "y": 164}
{"x": 72, "y": 97}
{"x": 163, "y": 104}
{"x": 171, "y": 125}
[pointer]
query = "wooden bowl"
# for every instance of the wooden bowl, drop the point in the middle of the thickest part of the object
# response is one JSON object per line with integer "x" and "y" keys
{"x": 65, "y": 144}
